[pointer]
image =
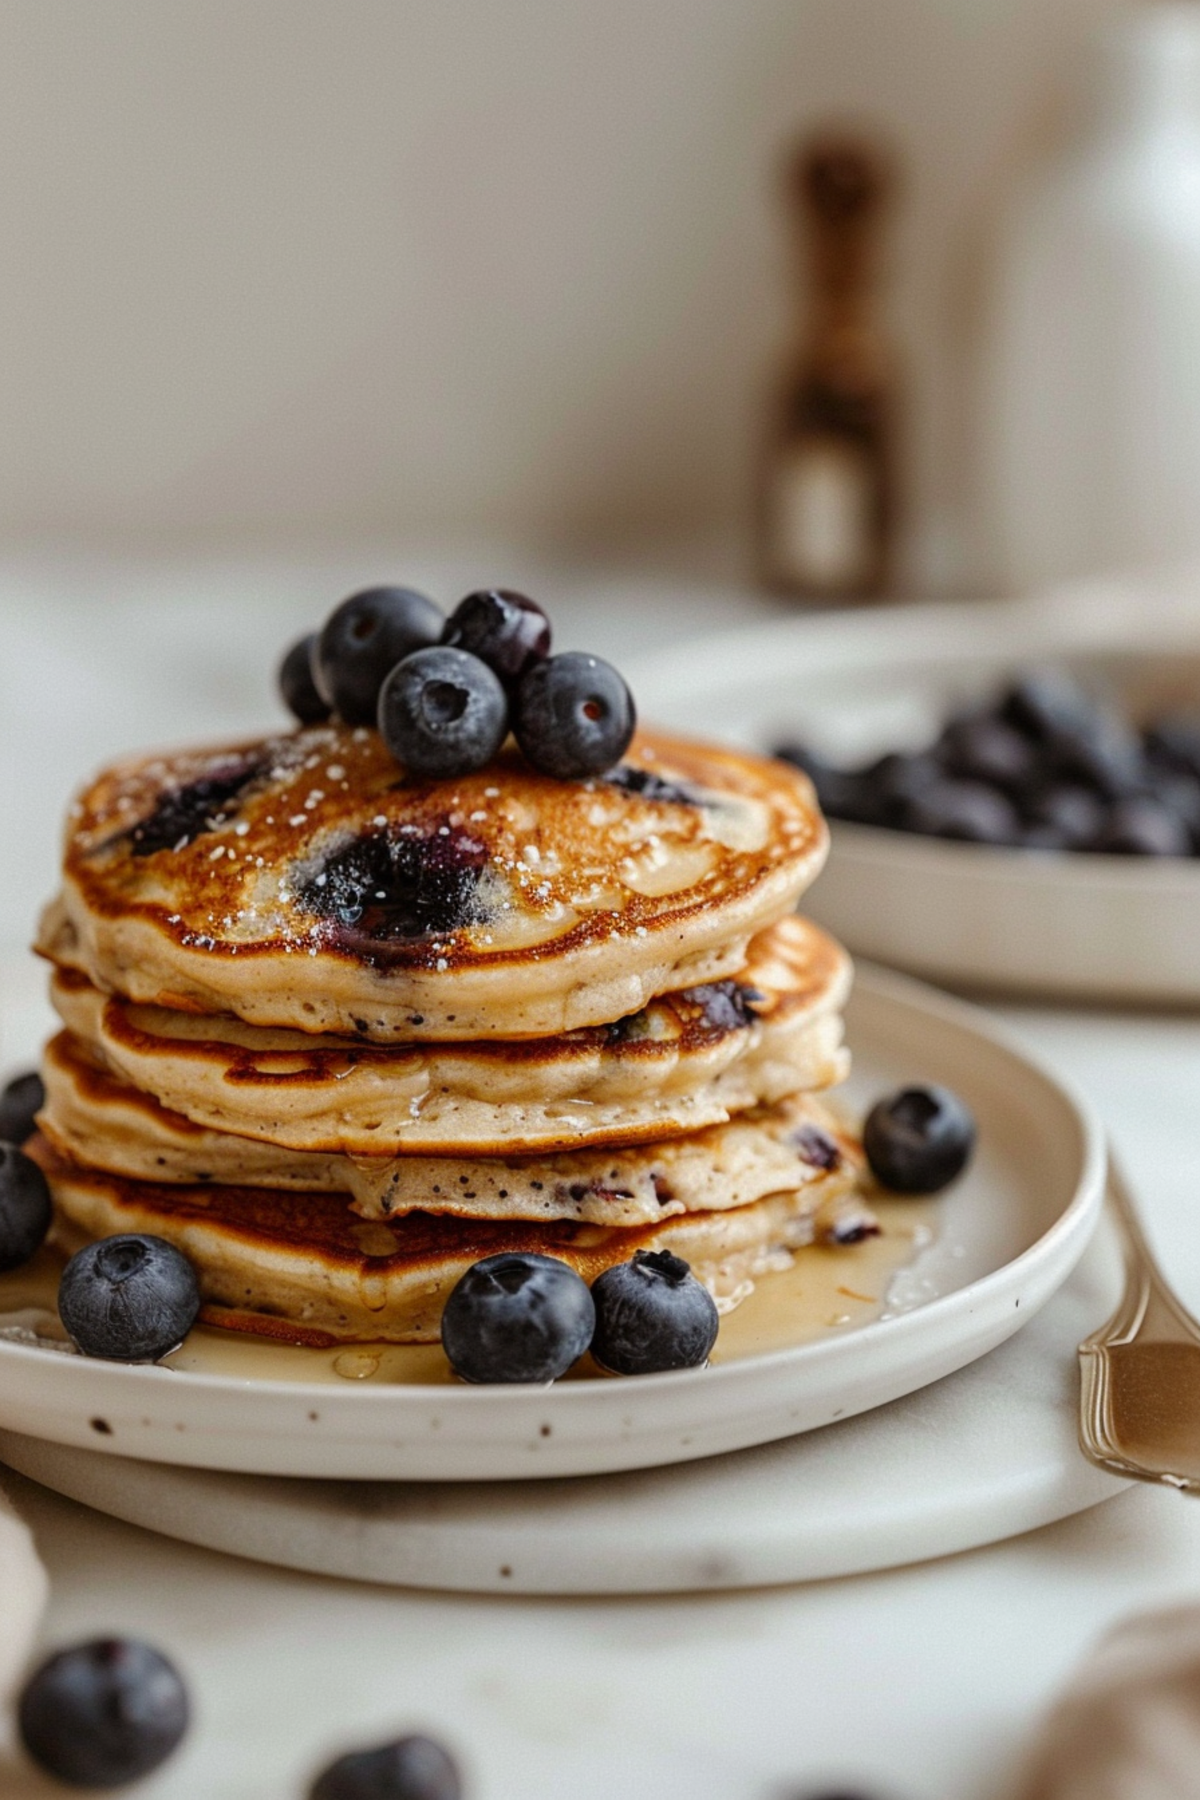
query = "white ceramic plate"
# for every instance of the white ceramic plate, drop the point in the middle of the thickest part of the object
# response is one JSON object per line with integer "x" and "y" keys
{"x": 868, "y": 1493}
{"x": 1010, "y": 1232}
{"x": 854, "y": 686}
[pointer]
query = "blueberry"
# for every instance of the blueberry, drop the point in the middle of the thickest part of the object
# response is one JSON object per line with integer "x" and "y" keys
{"x": 1180, "y": 794}
{"x": 1102, "y": 753}
{"x": 507, "y": 631}
{"x": 655, "y": 788}
{"x": 1075, "y": 815}
{"x": 20, "y": 1101}
{"x": 103, "y": 1713}
{"x": 517, "y": 1318}
{"x": 966, "y": 810}
{"x": 574, "y": 716}
{"x": 378, "y": 890}
{"x": 1143, "y": 827}
{"x": 442, "y": 712}
{"x": 919, "y": 1139}
{"x": 1173, "y": 742}
{"x": 25, "y": 1208}
{"x": 987, "y": 749}
{"x": 297, "y": 686}
{"x": 182, "y": 814}
{"x": 1044, "y": 837}
{"x": 1044, "y": 702}
{"x": 130, "y": 1299}
{"x": 362, "y": 641}
{"x": 413, "y": 1768}
{"x": 837, "y": 790}
{"x": 885, "y": 791}
{"x": 652, "y": 1314}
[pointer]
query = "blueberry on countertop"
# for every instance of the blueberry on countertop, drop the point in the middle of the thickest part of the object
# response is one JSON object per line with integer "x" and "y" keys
{"x": 297, "y": 686}
{"x": 517, "y": 1317}
{"x": 413, "y": 1768}
{"x": 919, "y": 1139}
{"x": 20, "y": 1102}
{"x": 131, "y": 1298}
{"x": 574, "y": 716}
{"x": 362, "y": 641}
{"x": 25, "y": 1208}
{"x": 652, "y": 1314}
{"x": 442, "y": 712}
{"x": 507, "y": 631}
{"x": 103, "y": 1713}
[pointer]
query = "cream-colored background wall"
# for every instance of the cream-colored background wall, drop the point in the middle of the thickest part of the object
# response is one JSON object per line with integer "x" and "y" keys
{"x": 272, "y": 269}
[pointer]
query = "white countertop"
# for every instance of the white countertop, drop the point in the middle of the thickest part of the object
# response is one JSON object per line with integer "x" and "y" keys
{"x": 921, "y": 1682}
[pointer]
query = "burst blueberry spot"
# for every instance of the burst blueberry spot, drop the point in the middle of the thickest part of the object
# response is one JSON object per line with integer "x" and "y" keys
{"x": 816, "y": 1147}
{"x": 382, "y": 889}
{"x": 186, "y": 813}
{"x": 724, "y": 1005}
{"x": 652, "y": 787}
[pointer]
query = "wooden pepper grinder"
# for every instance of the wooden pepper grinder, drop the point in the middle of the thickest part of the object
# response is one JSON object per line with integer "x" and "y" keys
{"x": 827, "y": 515}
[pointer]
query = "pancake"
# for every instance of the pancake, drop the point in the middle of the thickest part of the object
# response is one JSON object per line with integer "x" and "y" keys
{"x": 302, "y": 881}
{"x": 687, "y": 1060}
{"x": 307, "y": 1260}
{"x": 100, "y": 1120}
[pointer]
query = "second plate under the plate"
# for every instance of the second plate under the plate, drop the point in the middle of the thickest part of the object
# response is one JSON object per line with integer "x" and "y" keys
{"x": 1008, "y": 1235}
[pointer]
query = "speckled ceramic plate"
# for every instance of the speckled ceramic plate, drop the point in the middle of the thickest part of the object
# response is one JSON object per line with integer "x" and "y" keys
{"x": 1113, "y": 927}
{"x": 1008, "y": 1234}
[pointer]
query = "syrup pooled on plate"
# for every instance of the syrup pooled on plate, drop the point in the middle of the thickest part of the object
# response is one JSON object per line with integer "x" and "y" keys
{"x": 825, "y": 1290}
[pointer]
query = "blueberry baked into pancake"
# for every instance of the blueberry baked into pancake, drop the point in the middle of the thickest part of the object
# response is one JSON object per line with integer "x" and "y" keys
{"x": 462, "y": 1009}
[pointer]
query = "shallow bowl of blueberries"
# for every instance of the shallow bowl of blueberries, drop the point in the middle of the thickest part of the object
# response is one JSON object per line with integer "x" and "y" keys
{"x": 1013, "y": 791}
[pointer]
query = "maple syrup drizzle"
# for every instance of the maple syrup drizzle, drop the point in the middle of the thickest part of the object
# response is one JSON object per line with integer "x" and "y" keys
{"x": 822, "y": 1291}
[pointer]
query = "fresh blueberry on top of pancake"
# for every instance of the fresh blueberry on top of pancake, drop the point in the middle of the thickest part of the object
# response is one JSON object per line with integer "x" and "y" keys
{"x": 507, "y": 631}
{"x": 573, "y": 717}
{"x": 442, "y": 712}
{"x": 362, "y": 641}
{"x": 184, "y": 813}
{"x": 297, "y": 686}
{"x": 408, "y": 886}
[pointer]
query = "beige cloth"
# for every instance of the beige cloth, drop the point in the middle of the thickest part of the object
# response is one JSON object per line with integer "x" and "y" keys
{"x": 1128, "y": 1726}
{"x": 22, "y": 1596}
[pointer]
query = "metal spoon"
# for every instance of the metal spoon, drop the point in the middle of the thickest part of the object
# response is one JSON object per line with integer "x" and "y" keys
{"x": 1139, "y": 1409}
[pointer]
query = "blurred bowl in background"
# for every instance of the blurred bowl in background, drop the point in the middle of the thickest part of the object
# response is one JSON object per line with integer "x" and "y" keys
{"x": 1036, "y": 922}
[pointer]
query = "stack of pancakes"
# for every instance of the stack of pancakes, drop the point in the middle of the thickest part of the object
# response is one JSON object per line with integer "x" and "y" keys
{"x": 338, "y": 1033}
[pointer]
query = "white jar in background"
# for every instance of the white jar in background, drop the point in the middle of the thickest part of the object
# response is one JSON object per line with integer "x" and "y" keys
{"x": 1089, "y": 416}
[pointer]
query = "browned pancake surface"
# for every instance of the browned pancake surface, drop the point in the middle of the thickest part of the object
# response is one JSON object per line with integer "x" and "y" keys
{"x": 305, "y": 881}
